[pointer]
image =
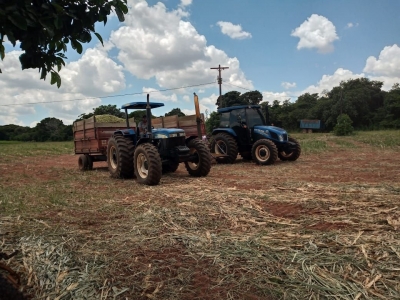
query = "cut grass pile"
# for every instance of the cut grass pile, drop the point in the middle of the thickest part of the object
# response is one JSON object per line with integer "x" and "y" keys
{"x": 303, "y": 230}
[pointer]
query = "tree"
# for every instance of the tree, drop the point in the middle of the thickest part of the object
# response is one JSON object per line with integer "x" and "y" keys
{"x": 103, "y": 110}
{"x": 46, "y": 27}
{"x": 233, "y": 98}
{"x": 50, "y": 129}
{"x": 175, "y": 112}
{"x": 212, "y": 122}
{"x": 252, "y": 97}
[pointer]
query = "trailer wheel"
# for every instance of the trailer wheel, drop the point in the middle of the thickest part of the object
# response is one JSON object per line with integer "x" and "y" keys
{"x": 120, "y": 157}
{"x": 201, "y": 165}
{"x": 83, "y": 162}
{"x": 264, "y": 152}
{"x": 225, "y": 145}
{"x": 291, "y": 155}
{"x": 148, "y": 166}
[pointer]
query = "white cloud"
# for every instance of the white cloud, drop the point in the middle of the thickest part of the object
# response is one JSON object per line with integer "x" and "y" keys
{"x": 156, "y": 43}
{"x": 186, "y": 98}
{"x": 271, "y": 96}
{"x": 328, "y": 82}
{"x": 316, "y": 32}
{"x": 386, "y": 68}
{"x": 351, "y": 25}
{"x": 288, "y": 85}
{"x": 155, "y": 95}
{"x": 233, "y": 31}
{"x": 186, "y": 2}
{"x": 388, "y": 63}
{"x": 94, "y": 74}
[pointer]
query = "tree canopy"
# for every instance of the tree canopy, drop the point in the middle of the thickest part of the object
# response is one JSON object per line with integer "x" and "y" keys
{"x": 103, "y": 110}
{"x": 175, "y": 112}
{"x": 45, "y": 28}
{"x": 236, "y": 98}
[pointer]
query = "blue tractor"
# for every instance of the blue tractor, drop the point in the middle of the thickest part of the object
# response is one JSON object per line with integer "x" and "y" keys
{"x": 158, "y": 151}
{"x": 243, "y": 130}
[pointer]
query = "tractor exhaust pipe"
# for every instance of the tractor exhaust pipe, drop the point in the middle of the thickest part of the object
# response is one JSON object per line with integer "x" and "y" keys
{"x": 148, "y": 115}
{"x": 198, "y": 116}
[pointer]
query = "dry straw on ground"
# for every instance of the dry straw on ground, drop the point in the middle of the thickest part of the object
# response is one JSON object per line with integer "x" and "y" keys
{"x": 303, "y": 230}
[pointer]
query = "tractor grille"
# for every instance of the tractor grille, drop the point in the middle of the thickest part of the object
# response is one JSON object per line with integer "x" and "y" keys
{"x": 285, "y": 137}
{"x": 176, "y": 141}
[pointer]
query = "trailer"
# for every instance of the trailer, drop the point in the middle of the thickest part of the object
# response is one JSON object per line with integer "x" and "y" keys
{"x": 91, "y": 138}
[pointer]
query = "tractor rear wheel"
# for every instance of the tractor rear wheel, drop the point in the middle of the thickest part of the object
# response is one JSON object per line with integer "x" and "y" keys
{"x": 264, "y": 152}
{"x": 148, "y": 166}
{"x": 201, "y": 165}
{"x": 120, "y": 157}
{"x": 224, "y": 145}
{"x": 291, "y": 155}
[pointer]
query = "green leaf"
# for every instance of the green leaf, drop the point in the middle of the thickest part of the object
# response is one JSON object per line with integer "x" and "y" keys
{"x": 76, "y": 45}
{"x": 18, "y": 21}
{"x": 2, "y": 51}
{"x": 100, "y": 38}
{"x": 55, "y": 78}
{"x": 43, "y": 74}
{"x": 120, "y": 14}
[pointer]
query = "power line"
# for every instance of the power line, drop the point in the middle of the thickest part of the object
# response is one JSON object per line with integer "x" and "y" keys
{"x": 111, "y": 96}
{"x": 237, "y": 86}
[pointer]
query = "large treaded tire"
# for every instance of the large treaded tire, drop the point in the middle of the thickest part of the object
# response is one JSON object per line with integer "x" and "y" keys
{"x": 148, "y": 166}
{"x": 293, "y": 155}
{"x": 120, "y": 157}
{"x": 225, "y": 144}
{"x": 202, "y": 165}
{"x": 264, "y": 152}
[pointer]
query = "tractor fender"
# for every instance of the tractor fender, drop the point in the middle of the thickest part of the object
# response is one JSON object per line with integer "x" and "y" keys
{"x": 229, "y": 131}
{"x": 192, "y": 137}
{"x": 125, "y": 132}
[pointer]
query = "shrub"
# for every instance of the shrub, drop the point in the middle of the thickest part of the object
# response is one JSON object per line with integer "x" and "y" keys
{"x": 343, "y": 126}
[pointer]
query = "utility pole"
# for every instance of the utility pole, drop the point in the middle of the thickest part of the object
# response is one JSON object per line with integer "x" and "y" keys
{"x": 220, "y": 78}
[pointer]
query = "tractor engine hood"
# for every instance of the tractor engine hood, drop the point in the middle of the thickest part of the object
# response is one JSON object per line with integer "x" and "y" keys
{"x": 272, "y": 132}
{"x": 165, "y": 133}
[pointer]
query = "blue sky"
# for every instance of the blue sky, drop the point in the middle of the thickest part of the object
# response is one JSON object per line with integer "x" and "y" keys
{"x": 281, "y": 48}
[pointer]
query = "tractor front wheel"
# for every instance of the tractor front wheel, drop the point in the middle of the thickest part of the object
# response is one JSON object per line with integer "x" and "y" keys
{"x": 225, "y": 148}
{"x": 148, "y": 166}
{"x": 201, "y": 165}
{"x": 291, "y": 155}
{"x": 264, "y": 152}
{"x": 120, "y": 157}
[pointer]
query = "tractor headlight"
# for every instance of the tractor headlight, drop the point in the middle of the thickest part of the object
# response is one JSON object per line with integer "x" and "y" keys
{"x": 160, "y": 136}
{"x": 171, "y": 135}
{"x": 280, "y": 137}
{"x": 181, "y": 134}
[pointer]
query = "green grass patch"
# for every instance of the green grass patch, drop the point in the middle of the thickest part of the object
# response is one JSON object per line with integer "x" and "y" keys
{"x": 344, "y": 143}
{"x": 381, "y": 138}
{"x": 18, "y": 149}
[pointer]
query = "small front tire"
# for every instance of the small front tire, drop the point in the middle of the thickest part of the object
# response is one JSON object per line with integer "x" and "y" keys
{"x": 148, "y": 166}
{"x": 291, "y": 155}
{"x": 201, "y": 165}
{"x": 264, "y": 152}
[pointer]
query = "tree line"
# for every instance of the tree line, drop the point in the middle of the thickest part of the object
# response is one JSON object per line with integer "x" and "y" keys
{"x": 362, "y": 100}
{"x": 53, "y": 129}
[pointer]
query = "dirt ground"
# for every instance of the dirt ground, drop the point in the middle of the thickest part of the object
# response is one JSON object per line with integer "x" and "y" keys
{"x": 350, "y": 193}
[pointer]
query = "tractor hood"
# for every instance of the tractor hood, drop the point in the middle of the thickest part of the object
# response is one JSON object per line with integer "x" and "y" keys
{"x": 165, "y": 133}
{"x": 271, "y": 132}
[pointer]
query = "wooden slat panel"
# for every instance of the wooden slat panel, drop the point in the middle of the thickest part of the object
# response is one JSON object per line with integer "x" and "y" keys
{"x": 171, "y": 122}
